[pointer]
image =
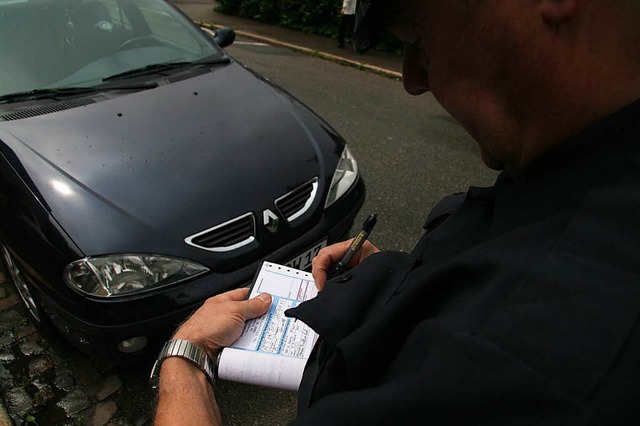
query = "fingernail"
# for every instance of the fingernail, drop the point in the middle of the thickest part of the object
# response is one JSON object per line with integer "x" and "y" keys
{"x": 265, "y": 297}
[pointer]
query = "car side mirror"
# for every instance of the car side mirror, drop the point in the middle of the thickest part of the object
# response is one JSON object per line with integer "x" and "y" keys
{"x": 225, "y": 37}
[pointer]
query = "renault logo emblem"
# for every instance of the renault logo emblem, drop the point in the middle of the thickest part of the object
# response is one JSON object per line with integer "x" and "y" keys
{"x": 270, "y": 220}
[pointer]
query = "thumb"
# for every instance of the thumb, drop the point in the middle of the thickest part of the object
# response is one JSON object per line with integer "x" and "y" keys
{"x": 257, "y": 306}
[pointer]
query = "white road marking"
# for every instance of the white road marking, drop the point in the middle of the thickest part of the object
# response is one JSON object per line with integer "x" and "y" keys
{"x": 250, "y": 43}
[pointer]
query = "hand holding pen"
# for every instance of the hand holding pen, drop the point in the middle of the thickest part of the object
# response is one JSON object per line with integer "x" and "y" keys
{"x": 335, "y": 259}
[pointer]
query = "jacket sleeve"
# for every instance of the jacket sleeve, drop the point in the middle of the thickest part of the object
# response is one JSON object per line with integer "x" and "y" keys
{"x": 481, "y": 384}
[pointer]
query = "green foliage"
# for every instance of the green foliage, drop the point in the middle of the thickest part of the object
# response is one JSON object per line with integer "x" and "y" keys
{"x": 318, "y": 17}
{"x": 28, "y": 419}
{"x": 311, "y": 16}
{"x": 260, "y": 10}
{"x": 231, "y": 7}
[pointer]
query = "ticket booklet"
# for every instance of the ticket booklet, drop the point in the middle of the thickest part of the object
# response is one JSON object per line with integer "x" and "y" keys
{"x": 273, "y": 349}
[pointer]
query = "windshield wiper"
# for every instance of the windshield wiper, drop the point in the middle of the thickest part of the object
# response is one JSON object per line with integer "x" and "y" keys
{"x": 164, "y": 66}
{"x": 36, "y": 94}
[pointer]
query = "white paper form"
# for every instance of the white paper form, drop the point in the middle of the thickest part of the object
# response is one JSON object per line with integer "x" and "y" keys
{"x": 273, "y": 349}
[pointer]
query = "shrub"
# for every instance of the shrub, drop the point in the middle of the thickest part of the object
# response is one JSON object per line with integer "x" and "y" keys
{"x": 261, "y": 10}
{"x": 232, "y": 7}
{"x": 317, "y": 17}
{"x": 311, "y": 16}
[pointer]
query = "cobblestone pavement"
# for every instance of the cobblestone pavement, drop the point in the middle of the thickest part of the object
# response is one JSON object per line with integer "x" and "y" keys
{"x": 44, "y": 381}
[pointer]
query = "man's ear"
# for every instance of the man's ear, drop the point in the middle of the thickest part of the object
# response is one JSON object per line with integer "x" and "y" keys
{"x": 557, "y": 12}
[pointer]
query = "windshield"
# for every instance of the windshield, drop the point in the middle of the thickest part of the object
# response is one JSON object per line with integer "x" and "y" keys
{"x": 77, "y": 43}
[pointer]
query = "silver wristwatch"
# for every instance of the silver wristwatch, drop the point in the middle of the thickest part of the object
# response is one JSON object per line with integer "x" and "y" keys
{"x": 190, "y": 352}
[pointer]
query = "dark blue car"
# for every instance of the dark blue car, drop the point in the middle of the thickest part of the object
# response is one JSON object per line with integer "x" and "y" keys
{"x": 143, "y": 170}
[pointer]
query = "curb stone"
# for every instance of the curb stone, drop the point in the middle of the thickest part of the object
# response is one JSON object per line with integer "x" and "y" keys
{"x": 317, "y": 53}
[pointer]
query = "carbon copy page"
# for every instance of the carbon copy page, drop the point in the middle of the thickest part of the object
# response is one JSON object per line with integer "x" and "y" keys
{"x": 273, "y": 349}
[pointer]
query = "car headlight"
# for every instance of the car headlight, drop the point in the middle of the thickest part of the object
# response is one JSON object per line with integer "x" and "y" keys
{"x": 122, "y": 274}
{"x": 344, "y": 177}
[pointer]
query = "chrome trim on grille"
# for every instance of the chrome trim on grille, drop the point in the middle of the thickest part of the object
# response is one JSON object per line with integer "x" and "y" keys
{"x": 307, "y": 205}
{"x": 249, "y": 240}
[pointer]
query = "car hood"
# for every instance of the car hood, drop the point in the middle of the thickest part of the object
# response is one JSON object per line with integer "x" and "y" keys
{"x": 142, "y": 171}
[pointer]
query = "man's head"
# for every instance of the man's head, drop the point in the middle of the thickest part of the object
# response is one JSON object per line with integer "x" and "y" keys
{"x": 519, "y": 75}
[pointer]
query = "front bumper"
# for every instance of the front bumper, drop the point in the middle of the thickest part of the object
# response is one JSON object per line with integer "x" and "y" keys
{"x": 155, "y": 316}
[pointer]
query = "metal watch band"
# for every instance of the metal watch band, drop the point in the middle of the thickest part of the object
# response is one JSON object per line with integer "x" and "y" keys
{"x": 190, "y": 352}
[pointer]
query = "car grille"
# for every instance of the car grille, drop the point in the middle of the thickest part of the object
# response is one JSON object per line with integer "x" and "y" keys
{"x": 227, "y": 236}
{"x": 297, "y": 202}
{"x": 241, "y": 231}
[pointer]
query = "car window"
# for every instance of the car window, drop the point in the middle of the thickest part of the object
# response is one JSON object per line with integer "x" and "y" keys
{"x": 65, "y": 43}
{"x": 167, "y": 25}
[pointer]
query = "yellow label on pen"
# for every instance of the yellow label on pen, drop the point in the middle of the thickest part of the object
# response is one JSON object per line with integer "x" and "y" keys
{"x": 357, "y": 240}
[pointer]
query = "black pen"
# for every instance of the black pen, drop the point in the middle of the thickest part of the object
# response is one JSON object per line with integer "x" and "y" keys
{"x": 356, "y": 244}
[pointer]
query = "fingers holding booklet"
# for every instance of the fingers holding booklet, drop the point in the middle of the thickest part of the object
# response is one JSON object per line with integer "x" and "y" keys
{"x": 231, "y": 310}
{"x": 273, "y": 349}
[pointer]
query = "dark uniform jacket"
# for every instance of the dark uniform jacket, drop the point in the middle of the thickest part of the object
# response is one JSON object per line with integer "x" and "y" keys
{"x": 519, "y": 306}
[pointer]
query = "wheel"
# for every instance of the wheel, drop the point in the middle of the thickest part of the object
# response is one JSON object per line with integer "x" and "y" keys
{"x": 140, "y": 41}
{"x": 19, "y": 280}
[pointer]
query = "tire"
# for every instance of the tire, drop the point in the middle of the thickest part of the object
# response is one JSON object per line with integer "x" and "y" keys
{"x": 23, "y": 288}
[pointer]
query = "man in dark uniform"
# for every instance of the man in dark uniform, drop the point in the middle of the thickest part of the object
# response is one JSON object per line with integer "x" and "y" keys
{"x": 521, "y": 303}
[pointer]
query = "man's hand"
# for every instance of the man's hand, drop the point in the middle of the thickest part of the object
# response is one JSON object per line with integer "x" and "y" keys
{"x": 332, "y": 254}
{"x": 219, "y": 322}
{"x": 185, "y": 395}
